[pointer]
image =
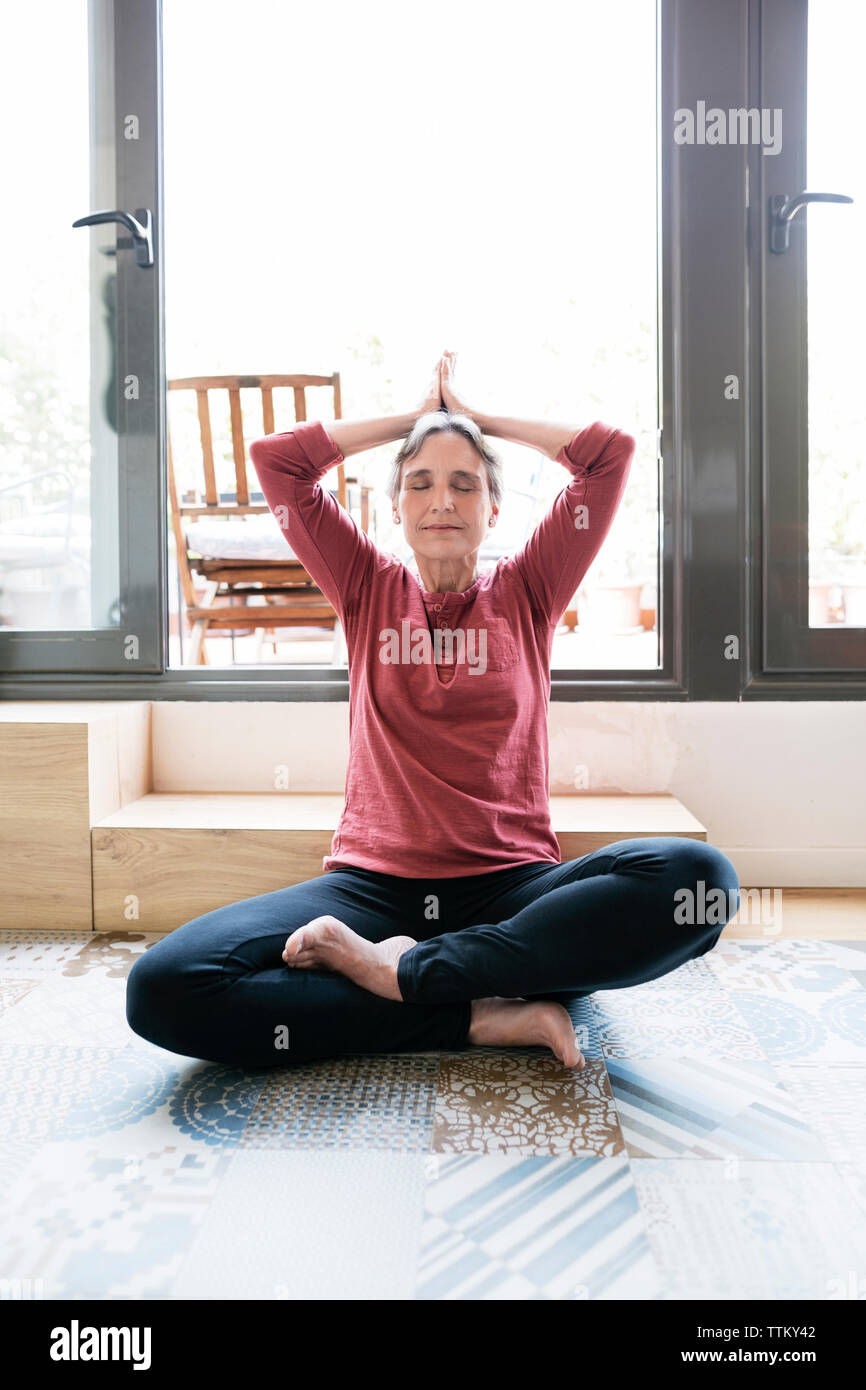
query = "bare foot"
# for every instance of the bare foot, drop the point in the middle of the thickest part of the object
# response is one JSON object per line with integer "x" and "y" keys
{"x": 511, "y": 1022}
{"x": 326, "y": 943}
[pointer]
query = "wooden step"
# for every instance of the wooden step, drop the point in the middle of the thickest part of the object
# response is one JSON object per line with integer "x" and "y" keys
{"x": 169, "y": 856}
{"x": 63, "y": 767}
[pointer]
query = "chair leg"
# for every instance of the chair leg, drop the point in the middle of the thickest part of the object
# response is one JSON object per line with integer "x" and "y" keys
{"x": 197, "y": 653}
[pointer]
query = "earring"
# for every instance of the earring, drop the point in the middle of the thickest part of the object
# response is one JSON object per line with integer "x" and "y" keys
{"x": 492, "y": 521}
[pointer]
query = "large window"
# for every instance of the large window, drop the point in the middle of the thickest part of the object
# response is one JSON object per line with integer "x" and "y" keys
{"x": 348, "y": 190}
{"x": 385, "y": 186}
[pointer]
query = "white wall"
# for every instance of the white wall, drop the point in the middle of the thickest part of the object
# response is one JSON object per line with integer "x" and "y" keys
{"x": 780, "y": 786}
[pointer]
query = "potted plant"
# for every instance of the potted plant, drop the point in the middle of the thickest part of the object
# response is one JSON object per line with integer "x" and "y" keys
{"x": 610, "y": 595}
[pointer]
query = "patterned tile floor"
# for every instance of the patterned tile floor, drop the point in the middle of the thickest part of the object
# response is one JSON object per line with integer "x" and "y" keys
{"x": 713, "y": 1147}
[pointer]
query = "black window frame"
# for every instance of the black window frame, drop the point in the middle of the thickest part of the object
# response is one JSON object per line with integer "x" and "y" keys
{"x": 712, "y": 462}
{"x": 787, "y": 654}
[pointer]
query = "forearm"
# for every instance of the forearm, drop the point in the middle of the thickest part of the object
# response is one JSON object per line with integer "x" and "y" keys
{"x": 544, "y": 435}
{"x": 353, "y": 436}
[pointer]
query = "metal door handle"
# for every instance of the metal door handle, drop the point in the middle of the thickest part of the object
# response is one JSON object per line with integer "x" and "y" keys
{"x": 141, "y": 227}
{"x": 784, "y": 208}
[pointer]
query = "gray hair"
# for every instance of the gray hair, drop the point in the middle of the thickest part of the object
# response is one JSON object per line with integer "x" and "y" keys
{"x": 450, "y": 422}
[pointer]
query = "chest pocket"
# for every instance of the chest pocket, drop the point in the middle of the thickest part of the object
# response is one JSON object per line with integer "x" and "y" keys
{"x": 490, "y": 646}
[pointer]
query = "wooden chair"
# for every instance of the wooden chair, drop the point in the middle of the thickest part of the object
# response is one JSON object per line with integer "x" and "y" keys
{"x": 291, "y": 597}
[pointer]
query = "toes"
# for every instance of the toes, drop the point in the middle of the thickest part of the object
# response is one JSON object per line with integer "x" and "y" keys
{"x": 294, "y": 946}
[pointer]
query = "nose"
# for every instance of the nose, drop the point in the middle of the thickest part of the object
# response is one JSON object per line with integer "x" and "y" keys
{"x": 443, "y": 498}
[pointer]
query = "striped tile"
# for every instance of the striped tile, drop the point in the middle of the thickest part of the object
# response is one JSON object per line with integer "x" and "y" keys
{"x": 508, "y": 1227}
{"x": 712, "y": 1108}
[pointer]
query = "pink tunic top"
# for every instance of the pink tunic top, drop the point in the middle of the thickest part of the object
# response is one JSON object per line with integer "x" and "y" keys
{"x": 448, "y": 757}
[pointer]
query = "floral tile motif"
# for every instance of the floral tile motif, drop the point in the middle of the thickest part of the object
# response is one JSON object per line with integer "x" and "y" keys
{"x": 522, "y": 1103}
{"x": 777, "y": 969}
{"x": 833, "y": 1102}
{"x": 57, "y": 1093}
{"x": 29, "y": 954}
{"x": 806, "y": 1026}
{"x": 12, "y": 991}
{"x": 709, "y": 1108}
{"x": 158, "y": 1098}
{"x": 94, "y": 1221}
{"x": 110, "y": 953}
{"x": 42, "y": 1086}
{"x": 685, "y": 1014}
{"x": 309, "y": 1224}
{"x": 749, "y": 1230}
{"x": 354, "y": 1102}
{"x": 503, "y": 1226}
{"x": 88, "y": 1013}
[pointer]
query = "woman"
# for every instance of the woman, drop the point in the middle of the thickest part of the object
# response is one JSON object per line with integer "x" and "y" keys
{"x": 443, "y": 916}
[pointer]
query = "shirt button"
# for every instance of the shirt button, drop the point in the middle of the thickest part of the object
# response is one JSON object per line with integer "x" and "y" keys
{"x": 436, "y": 607}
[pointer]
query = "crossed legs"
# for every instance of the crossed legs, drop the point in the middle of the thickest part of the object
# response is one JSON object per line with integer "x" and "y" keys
{"x": 330, "y": 965}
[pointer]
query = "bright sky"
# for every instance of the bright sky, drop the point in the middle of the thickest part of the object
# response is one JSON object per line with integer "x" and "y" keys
{"x": 452, "y": 176}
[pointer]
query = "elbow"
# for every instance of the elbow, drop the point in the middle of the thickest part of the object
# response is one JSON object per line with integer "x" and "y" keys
{"x": 263, "y": 456}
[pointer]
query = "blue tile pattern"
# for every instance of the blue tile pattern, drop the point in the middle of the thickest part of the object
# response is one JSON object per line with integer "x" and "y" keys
{"x": 713, "y": 1147}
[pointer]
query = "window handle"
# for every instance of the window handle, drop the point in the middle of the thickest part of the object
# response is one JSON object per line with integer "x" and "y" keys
{"x": 142, "y": 230}
{"x": 784, "y": 208}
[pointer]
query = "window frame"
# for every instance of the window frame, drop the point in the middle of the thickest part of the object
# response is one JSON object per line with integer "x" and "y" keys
{"x": 67, "y": 662}
{"x": 787, "y": 654}
{"x": 713, "y": 477}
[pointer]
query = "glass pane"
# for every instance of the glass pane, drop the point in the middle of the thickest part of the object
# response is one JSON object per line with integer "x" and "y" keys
{"x": 460, "y": 185}
{"x": 58, "y": 421}
{"x": 836, "y": 313}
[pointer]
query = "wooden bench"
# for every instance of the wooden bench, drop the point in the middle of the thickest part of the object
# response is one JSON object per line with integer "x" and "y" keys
{"x": 169, "y": 856}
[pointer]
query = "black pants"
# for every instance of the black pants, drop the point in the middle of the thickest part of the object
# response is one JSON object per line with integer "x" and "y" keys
{"x": 217, "y": 989}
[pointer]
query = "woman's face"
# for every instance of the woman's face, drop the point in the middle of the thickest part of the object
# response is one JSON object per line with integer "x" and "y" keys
{"x": 444, "y": 499}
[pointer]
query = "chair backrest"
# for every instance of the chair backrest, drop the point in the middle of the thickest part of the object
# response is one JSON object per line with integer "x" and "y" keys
{"x": 210, "y": 501}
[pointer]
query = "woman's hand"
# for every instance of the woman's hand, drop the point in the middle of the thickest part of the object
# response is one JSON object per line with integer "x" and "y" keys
{"x": 450, "y": 393}
{"x": 432, "y": 398}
